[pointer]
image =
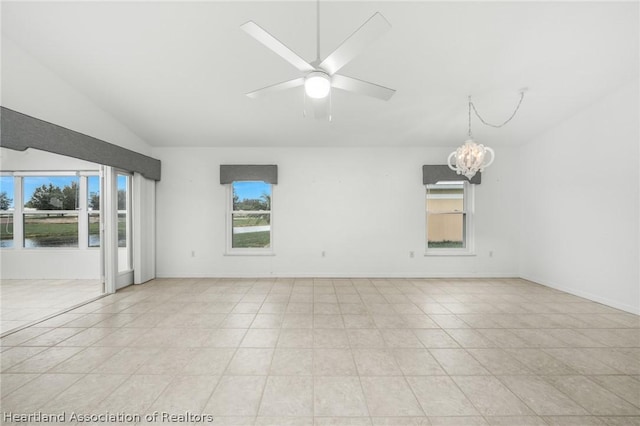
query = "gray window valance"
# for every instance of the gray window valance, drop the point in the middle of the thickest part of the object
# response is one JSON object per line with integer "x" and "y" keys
{"x": 441, "y": 173}
{"x": 20, "y": 132}
{"x": 243, "y": 172}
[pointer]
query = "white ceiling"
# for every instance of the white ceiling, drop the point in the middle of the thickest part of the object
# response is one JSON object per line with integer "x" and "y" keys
{"x": 175, "y": 73}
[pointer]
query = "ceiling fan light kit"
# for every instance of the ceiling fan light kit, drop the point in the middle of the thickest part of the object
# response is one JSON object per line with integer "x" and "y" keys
{"x": 320, "y": 76}
{"x": 472, "y": 157}
{"x": 317, "y": 85}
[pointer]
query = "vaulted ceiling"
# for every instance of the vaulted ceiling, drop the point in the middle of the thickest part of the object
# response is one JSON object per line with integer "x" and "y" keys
{"x": 175, "y": 73}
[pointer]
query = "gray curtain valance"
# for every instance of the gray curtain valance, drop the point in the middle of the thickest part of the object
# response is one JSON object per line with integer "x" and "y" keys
{"x": 20, "y": 132}
{"x": 237, "y": 172}
{"x": 441, "y": 173}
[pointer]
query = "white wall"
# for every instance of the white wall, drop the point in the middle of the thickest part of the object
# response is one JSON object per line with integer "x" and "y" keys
{"x": 365, "y": 207}
{"x": 30, "y": 88}
{"x": 580, "y": 214}
{"x": 36, "y": 160}
{"x": 46, "y": 263}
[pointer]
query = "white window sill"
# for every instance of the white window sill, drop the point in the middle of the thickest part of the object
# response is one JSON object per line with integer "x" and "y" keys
{"x": 450, "y": 253}
{"x": 249, "y": 253}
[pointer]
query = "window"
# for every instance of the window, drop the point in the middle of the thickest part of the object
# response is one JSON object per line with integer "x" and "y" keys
{"x": 6, "y": 211}
{"x": 93, "y": 210}
{"x": 125, "y": 261}
{"x": 50, "y": 215}
{"x": 449, "y": 213}
{"x": 250, "y": 217}
{"x": 50, "y": 209}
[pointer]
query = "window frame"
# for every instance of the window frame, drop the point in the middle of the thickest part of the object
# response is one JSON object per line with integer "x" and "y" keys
{"x": 128, "y": 211}
{"x": 89, "y": 211}
{"x": 20, "y": 213}
{"x": 468, "y": 232}
{"x": 10, "y": 212}
{"x": 250, "y": 251}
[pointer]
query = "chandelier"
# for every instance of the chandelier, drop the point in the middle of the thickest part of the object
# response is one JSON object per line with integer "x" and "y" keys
{"x": 472, "y": 157}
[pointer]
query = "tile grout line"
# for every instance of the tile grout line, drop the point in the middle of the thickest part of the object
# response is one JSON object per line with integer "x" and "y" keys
{"x": 351, "y": 349}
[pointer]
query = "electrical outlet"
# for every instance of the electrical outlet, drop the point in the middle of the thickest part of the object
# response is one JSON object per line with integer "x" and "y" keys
{"x": 411, "y": 254}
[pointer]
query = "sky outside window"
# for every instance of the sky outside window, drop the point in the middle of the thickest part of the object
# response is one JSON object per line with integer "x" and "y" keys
{"x": 93, "y": 182}
{"x": 122, "y": 182}
{"x": 6, "y": 185}
{"x": 251, "y": 190}
{"x": 31, "y": 183}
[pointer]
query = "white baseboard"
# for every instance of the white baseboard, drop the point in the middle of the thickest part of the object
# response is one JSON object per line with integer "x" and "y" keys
{"x": 334, "y": 275}
{"x": 593, "y": 297}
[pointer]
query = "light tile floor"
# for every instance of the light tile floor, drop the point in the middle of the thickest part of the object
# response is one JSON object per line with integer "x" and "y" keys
{"x": 331, "y": 352}
{"x": 25, "y": 301}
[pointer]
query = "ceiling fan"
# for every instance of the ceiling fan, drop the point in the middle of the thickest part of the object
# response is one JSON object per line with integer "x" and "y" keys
{"x": 320, "y": 76}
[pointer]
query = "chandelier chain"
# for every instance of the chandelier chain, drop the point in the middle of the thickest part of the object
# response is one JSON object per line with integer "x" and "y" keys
{"x": 470, "y": 134}
{"x": 472, "y": 105}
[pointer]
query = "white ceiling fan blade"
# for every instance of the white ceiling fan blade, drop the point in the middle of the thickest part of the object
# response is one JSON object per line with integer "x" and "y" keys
{"x": 361, "y": 87}
{"x": 257, "y": 32}
{"x": 356, "y": 43}
{"x": 290, "y": 84}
